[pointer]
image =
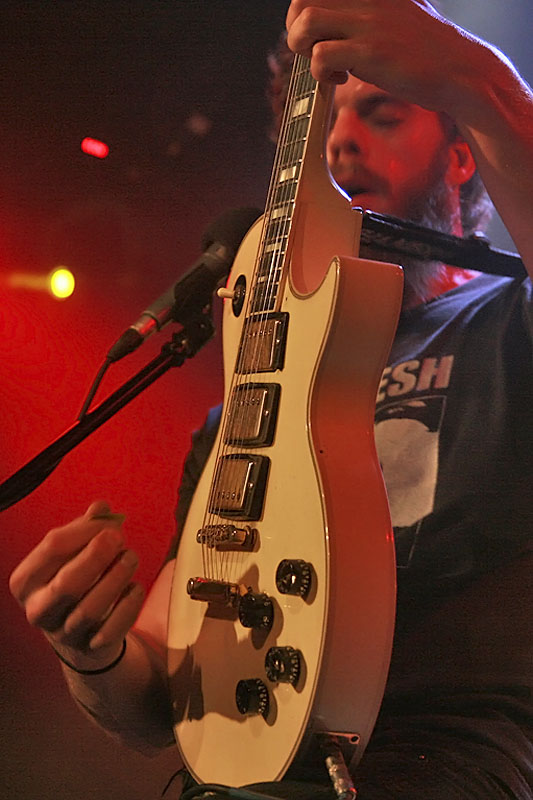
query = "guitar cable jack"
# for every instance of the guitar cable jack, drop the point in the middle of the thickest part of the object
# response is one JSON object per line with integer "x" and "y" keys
{"x": 336, "y": 767}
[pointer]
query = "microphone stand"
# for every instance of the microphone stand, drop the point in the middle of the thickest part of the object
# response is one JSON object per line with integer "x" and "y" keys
{"x": 185, "y": 344}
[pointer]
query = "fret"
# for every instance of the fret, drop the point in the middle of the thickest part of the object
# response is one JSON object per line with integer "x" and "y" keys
{"x": 264, "y": 298}
{"x": 264, "y": 266}
{"x": 288, "y": 174}
{"x": 277, "y": 229}
{"x": 291, "y": 153}
{"x": 304, "y": 83}
{"x": 276, "y": 249}
{"x": 264, "y": 292}
{"x": 296, "y": 131}
{"x": 274, "y": 274}
{"x": 284, "y": 210}
{"x": 268, "y": 263}
{"x": 265, "y": 284}
{"x": 285, "y": 192}
{"x": 302, "y": 106}
{"x": 278, "y": 246}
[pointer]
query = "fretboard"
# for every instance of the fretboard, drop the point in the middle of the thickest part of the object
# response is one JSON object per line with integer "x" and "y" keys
{"x": 281, "y": 199}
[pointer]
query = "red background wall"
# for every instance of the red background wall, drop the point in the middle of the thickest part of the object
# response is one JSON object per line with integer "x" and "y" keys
{"x": 133, "y": 74}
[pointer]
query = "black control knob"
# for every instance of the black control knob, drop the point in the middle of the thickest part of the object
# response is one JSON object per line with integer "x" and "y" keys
{"x": 251, "y": 697}
{"x": 293, "y": 576}
{"x": 256, "y": 610}
{"x": 283, "y": 664}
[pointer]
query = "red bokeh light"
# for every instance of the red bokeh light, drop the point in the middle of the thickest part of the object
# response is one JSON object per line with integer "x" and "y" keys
{"x": 94, "y": 147}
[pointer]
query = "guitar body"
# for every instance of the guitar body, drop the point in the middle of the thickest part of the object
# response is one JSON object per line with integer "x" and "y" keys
{"x": 324, "y": 505}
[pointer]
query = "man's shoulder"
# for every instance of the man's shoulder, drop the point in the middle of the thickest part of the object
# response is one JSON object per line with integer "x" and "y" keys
{"x": 484, "y": 288}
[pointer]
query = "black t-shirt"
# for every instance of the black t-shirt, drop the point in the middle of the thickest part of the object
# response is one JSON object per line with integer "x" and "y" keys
{"x": 454, "y": 430}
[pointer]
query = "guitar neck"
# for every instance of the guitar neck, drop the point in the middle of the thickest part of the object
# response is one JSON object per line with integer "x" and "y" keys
{"x": 299, "y": 156}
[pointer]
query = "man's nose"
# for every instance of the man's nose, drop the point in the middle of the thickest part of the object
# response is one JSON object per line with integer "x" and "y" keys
{"x": 346, "y": 137}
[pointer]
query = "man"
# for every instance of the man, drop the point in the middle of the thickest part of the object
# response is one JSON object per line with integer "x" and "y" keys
{"x": 456, "y": 721}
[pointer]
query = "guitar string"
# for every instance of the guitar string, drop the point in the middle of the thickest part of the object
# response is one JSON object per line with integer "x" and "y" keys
{"x": 265, "y": 275}
{"x": 263, "y": 293}
{"x": 239, "y": 417}
{"x": 267, "y": 291}
{"x": 265, "y": 278}
{"x": 209, "y": 553}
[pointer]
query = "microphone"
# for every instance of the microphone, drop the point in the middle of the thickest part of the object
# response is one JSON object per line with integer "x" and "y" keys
{"x": 193, "y": 291}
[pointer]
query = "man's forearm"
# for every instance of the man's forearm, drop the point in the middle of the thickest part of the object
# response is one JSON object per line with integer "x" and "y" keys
{"x": 494, "y": 112}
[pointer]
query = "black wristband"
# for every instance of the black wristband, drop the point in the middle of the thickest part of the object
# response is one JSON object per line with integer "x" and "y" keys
{"x": 93, "y": 671}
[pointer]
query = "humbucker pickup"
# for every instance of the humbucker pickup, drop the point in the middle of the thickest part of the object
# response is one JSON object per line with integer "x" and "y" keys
{"x": 262, "y": 347}
{"x": 239, "y": 486}
{"x": 252, "y": 414}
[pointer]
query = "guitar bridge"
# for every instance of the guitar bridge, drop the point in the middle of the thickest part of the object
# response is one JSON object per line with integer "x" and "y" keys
{"x": 219, "y": 593}
{"x": 227, "y": 537}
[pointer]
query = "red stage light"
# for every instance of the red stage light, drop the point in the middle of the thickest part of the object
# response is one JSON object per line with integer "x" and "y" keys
{"x": 94, "y": 147}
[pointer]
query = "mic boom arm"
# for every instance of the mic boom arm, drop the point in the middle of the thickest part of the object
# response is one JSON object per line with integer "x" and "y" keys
{"x": 185, "y": 344}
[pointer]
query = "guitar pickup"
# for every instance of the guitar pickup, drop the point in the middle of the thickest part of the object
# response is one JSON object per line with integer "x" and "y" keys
{"x": 262, "y": 347}
{"x": 252, "y": 414}
{"x": 239, "y": 486}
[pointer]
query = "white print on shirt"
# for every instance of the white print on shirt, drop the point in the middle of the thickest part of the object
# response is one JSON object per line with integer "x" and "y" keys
{"x": 407, "y": 433}
{"x": 415, "y": 376}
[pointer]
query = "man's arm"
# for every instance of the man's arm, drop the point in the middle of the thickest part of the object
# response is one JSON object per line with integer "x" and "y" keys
{"x": 131, "y": 701}
{"x": 408, "y": 49}
{"x": 77, "y": 587}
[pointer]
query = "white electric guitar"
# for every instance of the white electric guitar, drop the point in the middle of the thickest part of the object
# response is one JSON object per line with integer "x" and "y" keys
{"x": 283, "y": 597}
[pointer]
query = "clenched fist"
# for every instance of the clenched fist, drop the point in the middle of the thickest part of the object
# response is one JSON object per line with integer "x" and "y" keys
{"x": 77, "y": 586}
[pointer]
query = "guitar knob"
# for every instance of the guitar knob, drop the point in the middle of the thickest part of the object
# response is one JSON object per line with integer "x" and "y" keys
{"x": 293, "y": 576}
{"x": 283, "y": 664}
{"x": 256, "y": 610}
{"x": 251, "y": 697}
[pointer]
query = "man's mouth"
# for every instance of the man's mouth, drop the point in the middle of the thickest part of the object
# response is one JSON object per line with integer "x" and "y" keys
{"x": 355, "y": 189}
{"x": 359, "y": 181}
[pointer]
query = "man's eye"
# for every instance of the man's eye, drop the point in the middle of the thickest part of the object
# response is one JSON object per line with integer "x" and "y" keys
{"x": 386, "y": 121}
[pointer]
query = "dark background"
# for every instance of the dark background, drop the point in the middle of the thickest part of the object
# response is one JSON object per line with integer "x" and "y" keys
{"x": 177, "y": 92}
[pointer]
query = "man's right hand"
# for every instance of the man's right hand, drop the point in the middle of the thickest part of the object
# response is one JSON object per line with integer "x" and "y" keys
{"x": 76, "y": 586}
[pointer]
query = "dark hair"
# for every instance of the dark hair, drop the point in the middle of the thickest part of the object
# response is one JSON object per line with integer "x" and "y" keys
{"x": 476, "y": 205}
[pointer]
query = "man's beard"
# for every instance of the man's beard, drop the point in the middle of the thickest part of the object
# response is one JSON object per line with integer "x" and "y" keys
{"x": 436, "y": 210}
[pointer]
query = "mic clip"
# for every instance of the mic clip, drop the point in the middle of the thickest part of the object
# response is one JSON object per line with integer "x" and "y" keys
{"x": 196, "y": 331}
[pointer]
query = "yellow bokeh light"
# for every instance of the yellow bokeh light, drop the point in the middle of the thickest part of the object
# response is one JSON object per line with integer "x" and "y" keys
{"x": 62, "y": 282}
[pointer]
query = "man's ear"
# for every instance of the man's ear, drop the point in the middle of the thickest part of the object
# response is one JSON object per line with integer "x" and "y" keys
{"x": 461, "y": 165}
